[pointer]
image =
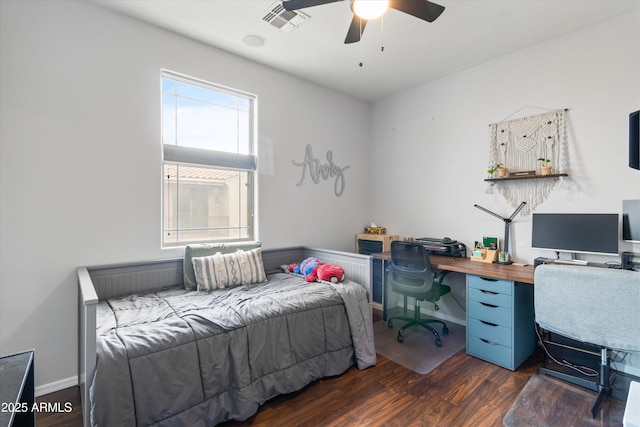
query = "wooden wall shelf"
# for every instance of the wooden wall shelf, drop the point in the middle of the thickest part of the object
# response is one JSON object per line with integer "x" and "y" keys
{"x": 517, "y": 178}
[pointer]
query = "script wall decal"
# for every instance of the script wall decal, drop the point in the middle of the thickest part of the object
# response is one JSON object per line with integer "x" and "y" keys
{"x": 319, "y": 170}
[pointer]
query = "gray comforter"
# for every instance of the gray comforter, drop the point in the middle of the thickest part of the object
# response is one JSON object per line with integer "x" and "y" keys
{"x": 188, "y": 358}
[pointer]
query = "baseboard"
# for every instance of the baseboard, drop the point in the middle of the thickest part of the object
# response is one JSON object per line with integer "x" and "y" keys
{"x": 397, "y": 310}
{"x": 438, "y": 314}
{"x": 41, "y": 390}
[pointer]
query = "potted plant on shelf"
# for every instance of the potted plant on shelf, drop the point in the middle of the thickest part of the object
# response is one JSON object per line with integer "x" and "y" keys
{"x": 502, "y": 171}
{"x": 545, "y": 167}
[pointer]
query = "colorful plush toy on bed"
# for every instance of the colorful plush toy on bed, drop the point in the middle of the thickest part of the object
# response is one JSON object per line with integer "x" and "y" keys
{"x": 330, "y": 273}
{"x": 313, "y": 269}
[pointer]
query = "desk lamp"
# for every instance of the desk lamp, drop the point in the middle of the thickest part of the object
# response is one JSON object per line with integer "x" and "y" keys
{"x": 507, "y": 223}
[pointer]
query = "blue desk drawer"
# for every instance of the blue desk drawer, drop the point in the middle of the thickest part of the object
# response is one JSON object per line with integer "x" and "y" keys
{"x": 490, "y": 331}
{"x": 494, "y": 285}
{"x": 490, "y": 297}
{"x": 489, "y": 351}
{"x": 492, "y": 314}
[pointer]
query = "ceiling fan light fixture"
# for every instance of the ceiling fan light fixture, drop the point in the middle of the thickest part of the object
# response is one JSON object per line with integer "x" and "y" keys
{"x": 370, "y": 9}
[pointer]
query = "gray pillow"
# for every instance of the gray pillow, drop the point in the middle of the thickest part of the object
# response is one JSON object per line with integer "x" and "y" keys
{"x": 206, "y": 249}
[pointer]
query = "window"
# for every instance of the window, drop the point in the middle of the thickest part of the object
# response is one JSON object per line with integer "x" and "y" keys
{"x": 209, "y": 162}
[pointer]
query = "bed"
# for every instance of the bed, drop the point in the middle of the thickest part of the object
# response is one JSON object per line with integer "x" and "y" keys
{"x": 154, "y": 353}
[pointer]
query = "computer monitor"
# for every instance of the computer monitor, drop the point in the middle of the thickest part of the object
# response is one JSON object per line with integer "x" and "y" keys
{"x": 631, "y": 220}
{"x": 576, "y": 232}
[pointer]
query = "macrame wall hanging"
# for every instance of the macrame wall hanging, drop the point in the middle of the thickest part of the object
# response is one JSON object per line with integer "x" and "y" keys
{"x": 518, "y": 144}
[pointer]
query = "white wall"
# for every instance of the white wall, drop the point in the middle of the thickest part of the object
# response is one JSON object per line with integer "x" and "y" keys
{"x": 432, "y": 142}
{"x": 80, "y": 160}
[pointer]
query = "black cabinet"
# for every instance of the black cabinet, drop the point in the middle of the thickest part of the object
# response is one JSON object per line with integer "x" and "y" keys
{"x": 377, "y": 280}
{"x": 368, "y": 244}
{"x": 17, "y": 394}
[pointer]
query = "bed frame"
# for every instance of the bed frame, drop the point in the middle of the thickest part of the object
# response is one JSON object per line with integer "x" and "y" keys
{"x": 101, "y": 282}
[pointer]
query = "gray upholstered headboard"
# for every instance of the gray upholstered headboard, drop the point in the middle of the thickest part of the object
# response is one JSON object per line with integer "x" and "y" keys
{"x": 600, "y": 306}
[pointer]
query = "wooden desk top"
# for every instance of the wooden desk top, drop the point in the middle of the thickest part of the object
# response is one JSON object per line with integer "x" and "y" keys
{"x": 466, "y": 266}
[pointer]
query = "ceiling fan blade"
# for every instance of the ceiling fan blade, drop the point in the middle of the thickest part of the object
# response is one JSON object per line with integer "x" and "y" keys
{"x": 422, "y": 9}
{"x": 355, "y": 29}
{"x": 301, "y": 4}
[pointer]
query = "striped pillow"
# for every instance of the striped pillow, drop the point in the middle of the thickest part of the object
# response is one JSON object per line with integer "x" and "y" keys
{"x": 221, "y": 271}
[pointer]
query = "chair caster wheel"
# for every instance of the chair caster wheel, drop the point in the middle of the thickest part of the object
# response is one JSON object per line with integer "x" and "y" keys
{"x": 400, "y": 338}
{"x": 445, "y": 330}
{"x": 438, "y": 343}
{"x": 389, "y": 324}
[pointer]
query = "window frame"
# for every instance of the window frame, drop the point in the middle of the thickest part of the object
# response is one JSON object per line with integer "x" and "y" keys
{"x": 175, "y": 154}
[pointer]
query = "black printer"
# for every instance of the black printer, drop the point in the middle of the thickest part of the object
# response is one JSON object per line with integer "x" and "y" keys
{"x": 444, "y": 246}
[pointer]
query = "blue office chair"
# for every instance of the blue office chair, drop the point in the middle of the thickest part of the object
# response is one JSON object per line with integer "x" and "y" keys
{"x": 411, "y": 275}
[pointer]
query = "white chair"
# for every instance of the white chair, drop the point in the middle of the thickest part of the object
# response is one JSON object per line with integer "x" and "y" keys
{"x": 599, "y": 306}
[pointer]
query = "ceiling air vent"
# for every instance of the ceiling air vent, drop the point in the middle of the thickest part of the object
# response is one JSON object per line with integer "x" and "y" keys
{"x": 286, "y": 20}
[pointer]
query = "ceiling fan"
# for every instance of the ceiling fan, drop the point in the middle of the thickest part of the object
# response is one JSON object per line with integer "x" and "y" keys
{"x": 365, "y": 10}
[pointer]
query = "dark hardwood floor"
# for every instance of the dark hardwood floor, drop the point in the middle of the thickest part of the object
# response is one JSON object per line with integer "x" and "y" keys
{"x": 61, "y": 419}
{"x": 463, "y": 391}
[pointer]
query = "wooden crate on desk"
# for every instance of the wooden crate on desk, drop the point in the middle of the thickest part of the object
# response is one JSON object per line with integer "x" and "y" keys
{"x": 385, "y": 239}
{"x": 488, "y": 255}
